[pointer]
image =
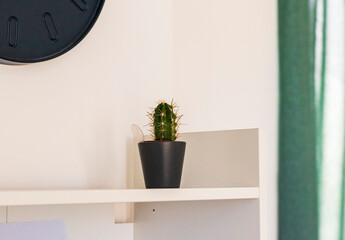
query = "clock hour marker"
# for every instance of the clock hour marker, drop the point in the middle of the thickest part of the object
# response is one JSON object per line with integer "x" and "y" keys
{"x": 12, "y": 32}
{"x": 81, "y": 4}
{"x": 50, "y": 26}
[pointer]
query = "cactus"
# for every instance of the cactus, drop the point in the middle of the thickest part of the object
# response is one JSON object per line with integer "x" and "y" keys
{"x": 164, "y": 121}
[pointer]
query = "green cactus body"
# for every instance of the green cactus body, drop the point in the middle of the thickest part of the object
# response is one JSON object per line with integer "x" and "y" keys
{"x": 165, "y": 122}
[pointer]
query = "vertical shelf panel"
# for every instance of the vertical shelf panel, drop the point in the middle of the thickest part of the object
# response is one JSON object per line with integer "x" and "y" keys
{"x": 221, "y": 159}
{"x": 124, "y": 213}
{"x": 2, "y": 214}
{"x": 215, "y": 159}
{"x": 221, "y": 220}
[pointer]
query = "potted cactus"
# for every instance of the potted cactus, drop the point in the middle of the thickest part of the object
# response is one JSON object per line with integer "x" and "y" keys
{"x": 162, "y": 158}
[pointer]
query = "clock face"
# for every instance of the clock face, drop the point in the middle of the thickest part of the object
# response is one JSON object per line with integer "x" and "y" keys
{"x": 39, "y": 30}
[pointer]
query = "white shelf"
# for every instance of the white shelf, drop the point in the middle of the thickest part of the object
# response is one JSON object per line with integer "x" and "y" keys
{"x": 60, "y": 197}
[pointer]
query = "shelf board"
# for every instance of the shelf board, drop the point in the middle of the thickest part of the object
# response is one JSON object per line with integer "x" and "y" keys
{"x": 60, "y": 197}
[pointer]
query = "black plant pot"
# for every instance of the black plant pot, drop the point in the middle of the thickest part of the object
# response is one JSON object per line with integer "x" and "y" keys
{"x": 162, "y": 163}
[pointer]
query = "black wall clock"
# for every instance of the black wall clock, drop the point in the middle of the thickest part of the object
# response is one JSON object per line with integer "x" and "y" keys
{"x": 39, "y": 30}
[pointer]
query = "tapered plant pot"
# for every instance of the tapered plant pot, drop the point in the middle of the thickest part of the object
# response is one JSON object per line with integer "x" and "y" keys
{"x": 162, "y": 163}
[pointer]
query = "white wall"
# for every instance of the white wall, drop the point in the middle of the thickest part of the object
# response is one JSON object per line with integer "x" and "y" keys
{"x": 226, "y": 74}
{"x": 65, "y": 123}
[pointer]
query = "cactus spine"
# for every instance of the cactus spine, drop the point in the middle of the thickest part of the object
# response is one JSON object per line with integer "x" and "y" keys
{"x": 165, "y": 121}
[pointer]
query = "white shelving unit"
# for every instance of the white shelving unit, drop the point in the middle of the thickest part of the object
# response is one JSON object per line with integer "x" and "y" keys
{"x": 220, "y": 159}
{"x": 220, "y": 183}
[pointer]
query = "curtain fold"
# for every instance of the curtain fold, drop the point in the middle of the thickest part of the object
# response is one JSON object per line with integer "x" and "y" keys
{"x": 297, "y": 124}
{"x": 331, "y": 188}
{"x": 312, "y": 120}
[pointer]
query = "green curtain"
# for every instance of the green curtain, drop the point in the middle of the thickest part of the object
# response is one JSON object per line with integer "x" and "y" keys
{"x": 311, "y": 124}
